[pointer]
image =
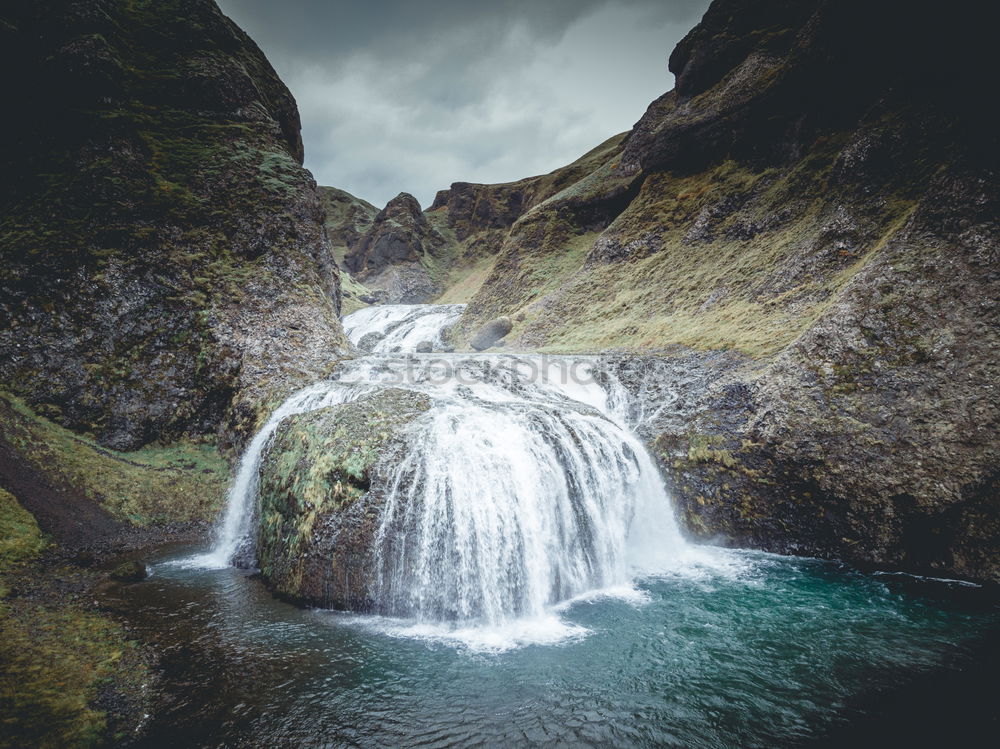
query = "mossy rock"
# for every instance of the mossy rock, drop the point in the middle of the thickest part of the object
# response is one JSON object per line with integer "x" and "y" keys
{"x": 130, "y": 572}
{"x": 320, "y": 491}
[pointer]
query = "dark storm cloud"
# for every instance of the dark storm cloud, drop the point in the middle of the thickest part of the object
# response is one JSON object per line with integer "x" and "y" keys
{"x": 413, "y": 96}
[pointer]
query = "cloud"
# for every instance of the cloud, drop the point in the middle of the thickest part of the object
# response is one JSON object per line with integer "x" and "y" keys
{"x": 403, "y": 96}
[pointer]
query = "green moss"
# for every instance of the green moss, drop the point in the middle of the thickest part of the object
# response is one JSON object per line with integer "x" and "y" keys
{"x": 704, "y": 448}
{"x": 20, "y": 538}
{"x": 54, "y": 656}
{"x": 319, "y": 463}
{"x": 160, "y": 483}
{"x": 54, "y": 662}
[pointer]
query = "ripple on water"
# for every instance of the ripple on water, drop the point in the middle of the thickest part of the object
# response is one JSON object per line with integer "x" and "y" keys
{"x": 756, "y": 650}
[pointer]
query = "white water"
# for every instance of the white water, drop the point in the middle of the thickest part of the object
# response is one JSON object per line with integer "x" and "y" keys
{"x": 521, "y": 488}
{"x": 401, "y": 327}
{"x": 235, "y": 527}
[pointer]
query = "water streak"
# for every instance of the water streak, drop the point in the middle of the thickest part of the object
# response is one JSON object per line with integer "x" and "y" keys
{"x": 396, "y": 328}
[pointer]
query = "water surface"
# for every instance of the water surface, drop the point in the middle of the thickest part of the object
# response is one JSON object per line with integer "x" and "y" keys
{"x": 751, "y": 650}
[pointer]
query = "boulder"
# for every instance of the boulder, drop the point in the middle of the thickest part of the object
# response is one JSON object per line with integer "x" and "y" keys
{"x": 376, "y": 296}
{"x": 369, "y": 341}
{"x": 321, "y": 494}
{"x": 130, "y": 572}
{"x": 491, "y": 333}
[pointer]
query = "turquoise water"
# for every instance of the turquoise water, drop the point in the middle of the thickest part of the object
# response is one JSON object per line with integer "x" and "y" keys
{"x": 753, "y": 650}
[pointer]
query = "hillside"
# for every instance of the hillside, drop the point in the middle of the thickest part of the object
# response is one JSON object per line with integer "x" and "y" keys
{"x": 155, "y": 212}
{"x": 816, "y": 203}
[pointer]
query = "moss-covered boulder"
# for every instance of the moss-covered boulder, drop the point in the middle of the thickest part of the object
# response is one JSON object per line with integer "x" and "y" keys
{"x": 491, "y": 333}
{"x": 321, "y": 493}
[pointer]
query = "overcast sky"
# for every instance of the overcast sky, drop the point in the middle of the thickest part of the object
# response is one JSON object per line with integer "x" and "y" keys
{"x": 402, "y": 95}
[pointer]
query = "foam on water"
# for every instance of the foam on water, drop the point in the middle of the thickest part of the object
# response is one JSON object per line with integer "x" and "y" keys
{"x": 547, "y": 629}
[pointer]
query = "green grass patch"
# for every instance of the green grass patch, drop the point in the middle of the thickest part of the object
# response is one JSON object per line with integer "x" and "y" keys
{"x": 54, "y": 661}
{"x": 54, "y": 656}
{"x": 20, "y": 537}
{"x": 351, "y": 293}
{"x": 182, "y": 481}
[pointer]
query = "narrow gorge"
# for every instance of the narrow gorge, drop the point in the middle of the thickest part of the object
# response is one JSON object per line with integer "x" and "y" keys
{"x": 693, "y": 441}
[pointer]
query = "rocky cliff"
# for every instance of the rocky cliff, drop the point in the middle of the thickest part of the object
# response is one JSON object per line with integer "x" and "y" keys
{"x": 818, "y": 198}
{"x": 347, "y": 220}
{"x": 165, "y": 277}
{"x": 398, "y": 253}
{"x": 407, "y": 255}
{"x": 163, "y": 254}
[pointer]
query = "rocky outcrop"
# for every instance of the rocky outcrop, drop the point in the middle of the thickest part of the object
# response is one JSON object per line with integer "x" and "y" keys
{"x": 397, "y": 251}
{"x": 321, "y": 493}
{"x": 473, "y": 209}
{"x": 491, "y": 333}
{"x": 164, "y": 265}
{"x": 348, "y": 219}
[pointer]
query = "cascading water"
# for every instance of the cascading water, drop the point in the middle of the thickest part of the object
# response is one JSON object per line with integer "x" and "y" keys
{"x": 520, "y": 488}
{"x": 400, "y": 327}
{"x": 235, "y": 527}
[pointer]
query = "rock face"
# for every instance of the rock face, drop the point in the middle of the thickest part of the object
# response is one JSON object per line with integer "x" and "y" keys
{"x": 395, "y": 252}
{"x": 320, "y": 497}
{"x": 348, "y": 219}
{"x": 163, "y": 258}
{"x": 818, "y": 197}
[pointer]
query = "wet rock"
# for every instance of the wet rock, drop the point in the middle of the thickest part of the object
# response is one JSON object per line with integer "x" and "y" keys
{"x": 424, "y": 347}
{"x": 376, "y": 296}
{"x": 130, "y": 572}
{"x": 491, "y": 333}
{"x": 320, "y": 495}
{"x": 369, "y": 341}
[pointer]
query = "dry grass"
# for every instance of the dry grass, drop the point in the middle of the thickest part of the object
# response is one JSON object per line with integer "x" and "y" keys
{"x": 466, "y": 281}
{"x": 725, "y": 259}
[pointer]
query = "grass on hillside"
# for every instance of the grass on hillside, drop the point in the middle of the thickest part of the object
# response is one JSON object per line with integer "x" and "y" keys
{"x": 759, "y": 274}
{"x": 55, "y": 657}
{"x": 179, "y": 482}
{"x": 351, "y": 292}
{"x": 464, "y": 282}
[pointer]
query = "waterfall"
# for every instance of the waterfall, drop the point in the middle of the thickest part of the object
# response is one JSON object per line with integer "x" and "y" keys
{"x": 520, "y": 488}
{"x": 235, "y": 529}
{"x": 503, "y": 510}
